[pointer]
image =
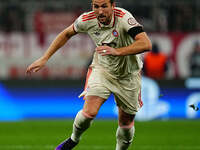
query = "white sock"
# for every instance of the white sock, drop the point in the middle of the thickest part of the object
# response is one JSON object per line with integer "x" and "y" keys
{"x": 81, "y": 123}
{"x": 124, "y": 137}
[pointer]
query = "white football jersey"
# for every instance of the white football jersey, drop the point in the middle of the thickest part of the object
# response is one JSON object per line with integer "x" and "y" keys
{"x": 114, "y": 35}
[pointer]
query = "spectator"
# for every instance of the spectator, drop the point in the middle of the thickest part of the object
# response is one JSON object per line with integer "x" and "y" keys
{"x": 155, "y": 63}
{"x": 195, "y": 60}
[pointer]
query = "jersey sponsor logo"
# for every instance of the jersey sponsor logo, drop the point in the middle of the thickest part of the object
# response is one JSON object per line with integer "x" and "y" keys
{"x": 97, "y": 33}
{"x": 115, "y": 33}
{"x": 131, "y": 21}
{"x": 111, "y": 44}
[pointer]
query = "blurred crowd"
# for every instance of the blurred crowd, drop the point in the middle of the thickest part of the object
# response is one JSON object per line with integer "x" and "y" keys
{"x": 12, "y": 18}
{"x": 156, "y": 15}
{"x": 168, "y": 16}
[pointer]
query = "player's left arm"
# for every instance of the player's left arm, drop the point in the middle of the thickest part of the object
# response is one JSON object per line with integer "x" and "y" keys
{"x": 141, "y": 44}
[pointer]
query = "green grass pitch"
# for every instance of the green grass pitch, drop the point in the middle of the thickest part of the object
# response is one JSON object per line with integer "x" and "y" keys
{"x": 152, "y": 135}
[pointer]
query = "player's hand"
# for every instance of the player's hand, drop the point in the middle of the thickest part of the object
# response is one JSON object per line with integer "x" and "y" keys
{"x": 36, "y": 66}
{"x": 106, "y": 50}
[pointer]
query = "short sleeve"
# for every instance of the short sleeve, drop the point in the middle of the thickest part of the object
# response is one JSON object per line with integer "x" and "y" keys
{"x": 79, "y": 25}
{"x": 129, "y": 22}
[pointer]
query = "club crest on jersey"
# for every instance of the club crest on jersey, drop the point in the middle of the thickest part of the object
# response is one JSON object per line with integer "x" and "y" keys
{"x": 115, "y": 33}
{"x": 131, "y": 21}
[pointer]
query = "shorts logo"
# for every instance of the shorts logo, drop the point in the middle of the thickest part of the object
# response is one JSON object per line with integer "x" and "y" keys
{"x": 115, "y": 33}
{"x": 97, "y": 33}
{"x": 131, "y": 21}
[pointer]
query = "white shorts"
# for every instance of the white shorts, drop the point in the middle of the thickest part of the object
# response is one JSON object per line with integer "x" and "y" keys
{"x": 127, "y": 92}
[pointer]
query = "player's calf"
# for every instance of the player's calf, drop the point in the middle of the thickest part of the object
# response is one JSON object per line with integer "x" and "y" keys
{"x": 125, "y": 136}
{"x": 82, "y": 122}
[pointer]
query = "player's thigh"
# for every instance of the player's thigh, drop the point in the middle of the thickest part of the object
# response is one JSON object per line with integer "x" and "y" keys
{"x": 96, "y": 85}
{"x": 92, "y": 105}
{"x": 125, "y": 118}
{"x": 128, "y": 94}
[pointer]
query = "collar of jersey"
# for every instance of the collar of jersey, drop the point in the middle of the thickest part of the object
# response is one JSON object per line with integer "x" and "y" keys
{"x": 112, "y": 23}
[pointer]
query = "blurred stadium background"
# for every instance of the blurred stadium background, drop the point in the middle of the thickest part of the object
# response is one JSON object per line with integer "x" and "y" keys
{"x": 29, "y": 104}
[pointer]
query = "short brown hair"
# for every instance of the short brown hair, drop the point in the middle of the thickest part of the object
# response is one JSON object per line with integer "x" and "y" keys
{"x": 112, "y": 1}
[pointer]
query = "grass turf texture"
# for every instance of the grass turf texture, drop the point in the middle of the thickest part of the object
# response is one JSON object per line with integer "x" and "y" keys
{"x": 153, "y": 135}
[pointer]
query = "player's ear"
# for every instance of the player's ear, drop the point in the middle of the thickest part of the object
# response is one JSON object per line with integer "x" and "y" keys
{"x": 113, "y": 5}
{"x": 91, "y": 4}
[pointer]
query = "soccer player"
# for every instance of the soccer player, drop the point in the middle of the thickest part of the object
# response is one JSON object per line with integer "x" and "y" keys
{"x": 115, "y": 68}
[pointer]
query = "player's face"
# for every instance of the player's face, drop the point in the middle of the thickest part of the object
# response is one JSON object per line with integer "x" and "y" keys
{"x": 103, "y": 10}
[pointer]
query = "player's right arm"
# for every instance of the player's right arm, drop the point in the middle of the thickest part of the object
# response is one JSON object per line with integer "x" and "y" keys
{"x": 58, "y": 42}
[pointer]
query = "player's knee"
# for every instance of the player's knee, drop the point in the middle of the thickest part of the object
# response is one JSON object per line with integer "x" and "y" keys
{"x": 90, "y": 113}
{"x": 126, "y": 124}
{"x": 82, "y": 120}
{"x": 125, "y": 132}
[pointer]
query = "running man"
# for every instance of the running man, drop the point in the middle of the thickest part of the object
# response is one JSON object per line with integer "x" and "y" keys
{"x": 115, "y": 68}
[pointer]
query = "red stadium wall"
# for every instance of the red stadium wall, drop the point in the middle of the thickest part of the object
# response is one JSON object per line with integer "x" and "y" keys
{"x": 18, "y": 50}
